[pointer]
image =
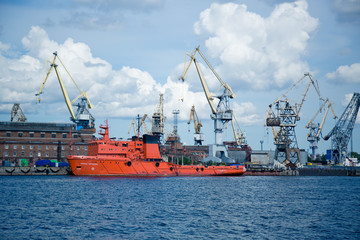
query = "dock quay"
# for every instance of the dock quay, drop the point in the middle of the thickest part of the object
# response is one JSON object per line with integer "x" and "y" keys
{"x": 34, "y": 171}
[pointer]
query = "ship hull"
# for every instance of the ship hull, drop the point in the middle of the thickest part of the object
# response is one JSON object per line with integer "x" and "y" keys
{"x": 101, "y": 166}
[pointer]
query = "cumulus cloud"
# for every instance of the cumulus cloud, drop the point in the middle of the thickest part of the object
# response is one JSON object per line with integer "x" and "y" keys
{"x": 257, "y": 52}
{"x": 114, "y": 93}
{"x": 345, "y": 73}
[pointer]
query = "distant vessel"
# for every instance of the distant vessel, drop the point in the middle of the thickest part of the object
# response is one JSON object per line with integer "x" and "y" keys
{"x": 138, "y": 157}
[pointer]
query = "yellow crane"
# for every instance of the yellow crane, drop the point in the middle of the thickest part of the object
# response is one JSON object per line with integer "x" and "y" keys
{"x": 82, "y": 117}
{"x": 198, "y": 136}
{"x": 221, "y": 114}
{"x": 315, "y": 130}
{"x": 239, "y": 135}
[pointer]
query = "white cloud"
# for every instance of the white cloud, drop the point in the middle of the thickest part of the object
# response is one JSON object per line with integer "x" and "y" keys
{"x": 345, "y": 73}
{"x": 257, "y": 52}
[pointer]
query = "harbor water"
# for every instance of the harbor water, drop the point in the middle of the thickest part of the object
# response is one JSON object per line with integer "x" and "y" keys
{"x": 248, "y": 207}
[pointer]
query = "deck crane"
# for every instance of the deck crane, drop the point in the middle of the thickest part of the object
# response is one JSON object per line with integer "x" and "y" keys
{"x": 17, "y": 114}
{"x": 198, "y": 136}
{"x": 82, "y": 117}
{"x": 341, "y": 133}
{"x": 222, "y": 113}
{"x": 313, "y": 136}
{"x": 285, "y": 119}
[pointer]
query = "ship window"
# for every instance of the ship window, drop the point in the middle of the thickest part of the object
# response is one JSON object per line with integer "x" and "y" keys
{"x": 124, "y": 145}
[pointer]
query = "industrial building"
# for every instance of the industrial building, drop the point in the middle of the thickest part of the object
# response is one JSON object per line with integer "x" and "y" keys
{"x": 29, "y": 141}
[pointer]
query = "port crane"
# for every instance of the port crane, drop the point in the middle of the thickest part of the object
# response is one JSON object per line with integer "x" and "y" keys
{"x": 222, "y": 113}
{"x": 17, "y": 114}
{"x": 341, "y": 133}
{"x": 82, "y": 117}
{"x": 158, "y": 118}
{"x": 239, "y": 135}
{"x": 315, "y": 130}
{"x": 198, "y": 136}
{"x": 285, "y": 118}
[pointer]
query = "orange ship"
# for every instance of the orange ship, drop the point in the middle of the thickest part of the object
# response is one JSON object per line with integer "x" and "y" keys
{"x": 137, "y": 158}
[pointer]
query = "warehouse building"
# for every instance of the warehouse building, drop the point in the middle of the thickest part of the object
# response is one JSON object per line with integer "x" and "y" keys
{"x": 28, "y": 142}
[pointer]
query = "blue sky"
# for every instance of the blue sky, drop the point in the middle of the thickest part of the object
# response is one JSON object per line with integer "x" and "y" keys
{"x": 125, "y": 53}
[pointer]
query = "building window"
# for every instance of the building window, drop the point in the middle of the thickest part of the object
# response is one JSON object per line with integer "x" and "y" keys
{"x": 39, "y": 147}
{"x": 53, "y": 135}
{"x": 6, "y": 146}
{"x": 6, "y": 154}
{"x": 31, "y": 147}
{"x": 47, "y": 147}
{"x": 22, "y": 153}
{"x": 31, "y": 134}
{"x": 86, "y": 148}
{"x": 39, "y": 154}
{"x": 62, "y": 154}
{"x": 64, "y": 135}
{"x": 20, "y": 134}
{"x": 42, "y": 134}
{"x": 78, "y": 148}
{"x": 62, "y": 148}
{"x": 8, "y": 134}
{"x": 15, "y": 147}
{"x": 31, "y": 154}
{"x": 47, "y": 154}
{"x": 54, "y": 154}
{"x": 75, "y": 136}
{"x": 22, "y": 147}
{"x": 55, "y": 147}
{"x": 14, "y": 154}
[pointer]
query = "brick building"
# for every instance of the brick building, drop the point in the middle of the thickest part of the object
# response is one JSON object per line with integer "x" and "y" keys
{"x": 34, "y": 141}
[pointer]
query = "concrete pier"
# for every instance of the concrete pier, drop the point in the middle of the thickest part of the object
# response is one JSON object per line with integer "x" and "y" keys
{"x": 36, "y": 171}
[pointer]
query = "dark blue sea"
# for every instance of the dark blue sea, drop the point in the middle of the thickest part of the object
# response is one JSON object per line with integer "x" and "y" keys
{"x": 249, "y": 207}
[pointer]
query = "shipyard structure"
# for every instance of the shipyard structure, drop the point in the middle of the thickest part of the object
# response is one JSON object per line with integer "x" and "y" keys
{"x": 23, "y": 143}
